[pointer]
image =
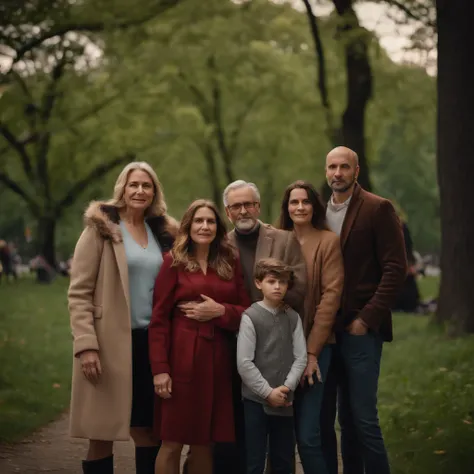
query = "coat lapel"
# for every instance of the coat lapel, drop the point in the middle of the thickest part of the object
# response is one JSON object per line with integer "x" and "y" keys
{"x": 231, "y": 237}
{"x": 264, "y": 244}
{"x": 351, "y": 214}
{"x": 314, "y": 243}
{"x": 314, "y": 255}
{"x": 120, "y": 256}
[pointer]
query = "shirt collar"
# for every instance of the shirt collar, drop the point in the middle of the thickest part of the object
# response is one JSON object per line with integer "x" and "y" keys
{"x": 338, "y": 206}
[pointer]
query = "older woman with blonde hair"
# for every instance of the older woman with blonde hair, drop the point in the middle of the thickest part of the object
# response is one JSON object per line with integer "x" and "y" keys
{"x": 190, "y": 348}
{"x": 114, "y": 267}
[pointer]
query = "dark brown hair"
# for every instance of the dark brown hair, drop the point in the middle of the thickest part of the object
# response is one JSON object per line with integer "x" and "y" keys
{"x": 221, "y": 253}
{"x": 318, "y": 221}
{"x": 275, "y": 268}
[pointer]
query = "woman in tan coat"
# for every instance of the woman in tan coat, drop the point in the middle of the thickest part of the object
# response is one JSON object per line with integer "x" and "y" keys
{"x": 303, "y": 212}
{"x": 115, "y": 264}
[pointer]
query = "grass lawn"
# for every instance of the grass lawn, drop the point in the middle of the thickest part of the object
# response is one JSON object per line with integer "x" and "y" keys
{"x": 35, "y": 356}
{"x": 425, "y": 398}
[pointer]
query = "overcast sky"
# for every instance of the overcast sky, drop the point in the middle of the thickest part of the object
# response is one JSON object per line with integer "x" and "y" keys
{"x": 375, "y": 17}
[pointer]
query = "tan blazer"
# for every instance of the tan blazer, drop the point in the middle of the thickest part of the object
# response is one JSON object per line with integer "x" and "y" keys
{"x": 323, "y": 256}
{"x": 282, "y": 245}
{"x": 99, "y": 307}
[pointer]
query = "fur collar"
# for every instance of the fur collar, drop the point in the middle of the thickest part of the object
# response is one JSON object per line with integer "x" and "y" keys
{"x": 104, "y": 218}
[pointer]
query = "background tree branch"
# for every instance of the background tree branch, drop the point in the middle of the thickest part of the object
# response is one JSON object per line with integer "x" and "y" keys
{"x": 321, "y": 71}
{"x": 17, "y": 189}
{"x": 48, "y": 102}
{"x": 19, "y": 147}
{"x": 93, "y": 176}
{"x": 89, "y": 26}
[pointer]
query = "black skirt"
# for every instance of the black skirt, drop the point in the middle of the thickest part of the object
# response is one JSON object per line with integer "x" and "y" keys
{"x": 142, "y": 379}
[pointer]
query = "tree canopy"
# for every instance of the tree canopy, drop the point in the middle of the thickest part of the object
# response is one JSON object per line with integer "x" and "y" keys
{"x": 206, "y": 93}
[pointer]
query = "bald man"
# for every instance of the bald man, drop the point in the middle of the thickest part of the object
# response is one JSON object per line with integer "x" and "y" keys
{"x": 375, "y": 268}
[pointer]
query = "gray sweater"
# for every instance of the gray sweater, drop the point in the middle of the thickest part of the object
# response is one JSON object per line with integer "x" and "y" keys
{"x": 335, "y": 214}
{"x": 271, "y": 351}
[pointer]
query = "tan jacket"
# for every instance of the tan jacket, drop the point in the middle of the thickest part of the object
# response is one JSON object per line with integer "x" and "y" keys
{"x": 323, "y": 256}
{"x": 99, "y": 309}
{"x": 280, "y": 244}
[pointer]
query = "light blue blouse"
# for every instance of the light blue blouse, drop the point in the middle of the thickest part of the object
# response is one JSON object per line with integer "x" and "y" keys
{"x": 143, "y": 267}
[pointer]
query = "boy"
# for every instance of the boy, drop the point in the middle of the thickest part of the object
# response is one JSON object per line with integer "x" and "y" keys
{"x": 271, "y": 357}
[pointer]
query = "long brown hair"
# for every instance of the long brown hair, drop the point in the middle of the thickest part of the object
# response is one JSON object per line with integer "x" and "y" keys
{"x": 221, "y": 253}
{"x": 318, "y": 221}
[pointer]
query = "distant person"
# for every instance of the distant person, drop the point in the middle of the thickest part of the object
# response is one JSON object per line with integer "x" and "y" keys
{"x": 190, "y": 350}
{"x": 6, "y": 262}
{"x": 271, "y": 358}
{"x": 113, "y": 272}
{"x": 374, "y": 270}
{"x": 45, "y": 273}
{"x": 408, "y": 299}
{"x": 303, "y": 212}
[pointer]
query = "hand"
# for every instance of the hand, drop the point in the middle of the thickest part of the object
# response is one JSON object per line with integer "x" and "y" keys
{"x": 357, "y": 327}
{"x": 312, "y": 367}
{"x": 163, "y": 385}
{"x": 202, "y": 311}
{"x": 91, "y": 367}
{"x": 278, "y": 397}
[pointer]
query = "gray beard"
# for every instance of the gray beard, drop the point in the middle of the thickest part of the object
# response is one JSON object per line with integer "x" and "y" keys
{"x": 345, "y": 188}
{"x": 247, "y": 230}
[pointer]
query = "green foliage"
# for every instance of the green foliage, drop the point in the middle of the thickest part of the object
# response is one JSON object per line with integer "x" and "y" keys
{"x": 425, "y": 399}
{"x": 35, "y": 356}
{"x": 404, "y": 169}
{"x": 213, "y": 91}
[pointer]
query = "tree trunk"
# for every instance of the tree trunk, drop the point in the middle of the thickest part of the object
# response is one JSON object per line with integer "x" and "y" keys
{"x": 455, "y": 147}
{"x": 359, "y": 85}
{"x": 269, "y": 197}
{"x": 213, "y": 176}
{"x": 46, "y": 239}
{"x": 331, "y": 131}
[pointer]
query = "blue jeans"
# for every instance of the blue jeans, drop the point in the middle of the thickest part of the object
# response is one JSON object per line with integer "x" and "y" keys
{"x": 353, "y": 378}
{"x": 308, "y": 402}
{"x": 278, "y": 430}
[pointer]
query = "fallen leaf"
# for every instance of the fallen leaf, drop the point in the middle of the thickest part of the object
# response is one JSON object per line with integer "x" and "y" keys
{"x": 467, "y": 422}
{"x": 56, "y": 385}
{"x": 440, "y": 451}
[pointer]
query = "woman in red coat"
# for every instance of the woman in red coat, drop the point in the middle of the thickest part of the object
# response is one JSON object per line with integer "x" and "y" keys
{"x": 190, "y": 354}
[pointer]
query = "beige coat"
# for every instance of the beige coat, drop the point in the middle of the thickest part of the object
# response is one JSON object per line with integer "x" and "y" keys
{"x": 283, "y": 245}
{"x": 99, "y": 307}
{"x": 323, "y": 256}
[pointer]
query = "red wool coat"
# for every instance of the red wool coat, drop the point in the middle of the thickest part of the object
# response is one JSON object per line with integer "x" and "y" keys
{"x": 197, "y": 355}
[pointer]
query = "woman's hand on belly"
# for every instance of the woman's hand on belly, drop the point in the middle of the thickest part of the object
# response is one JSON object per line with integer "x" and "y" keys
{"x": 202, "y": 311}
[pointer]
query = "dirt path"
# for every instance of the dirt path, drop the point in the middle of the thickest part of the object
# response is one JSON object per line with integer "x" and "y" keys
{"x": 52, "y": 450}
